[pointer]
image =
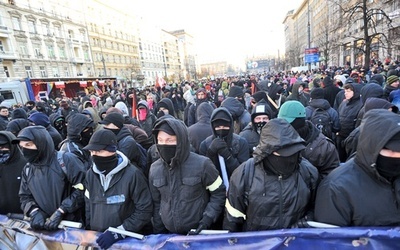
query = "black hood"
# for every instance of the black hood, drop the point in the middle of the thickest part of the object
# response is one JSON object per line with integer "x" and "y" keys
{"x": 377, "y": 128}
{"x": 17, "y": 125}
{"x": 234, "y": 106}
{"x": 14, "y": 151}
{"x": 182, "y": 137}
{"x": 76, "y": 123}
{"x": 371, "y": 90}
{"x": 54, "y": 117}
{"x": 19, "y": 113}
{"x": 222, "y": 112}
{"x": 204, "y": 111}
{"x": 168, "y": 103}
{"x": 43, "y": 141}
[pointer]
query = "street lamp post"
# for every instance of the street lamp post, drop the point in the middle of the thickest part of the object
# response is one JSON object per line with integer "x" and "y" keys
{"x": 102, "y": 54}
{"x": 308, "y": 30}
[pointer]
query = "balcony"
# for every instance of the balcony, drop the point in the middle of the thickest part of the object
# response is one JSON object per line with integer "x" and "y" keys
{"x": 77, "y": 60}
{"x": 8, "y": 55}
{"x": 4, "y": 31}
{"x": 75, "y": 41}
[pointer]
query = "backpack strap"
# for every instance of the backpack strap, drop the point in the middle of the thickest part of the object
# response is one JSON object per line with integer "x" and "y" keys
{"x": 60, "y": 159}
{"x": 248, "y": 179}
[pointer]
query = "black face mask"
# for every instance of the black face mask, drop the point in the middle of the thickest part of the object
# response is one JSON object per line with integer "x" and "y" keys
{"x": 105, "y": 164}
{"x": 86, "y": 135}
{"x": 167, "y": 152}
{"x": 388, "y": 167}
{"x": 4, "y": 156}
{"x": 222, "y": 133}
{"x": 59, "y": 125}
{"x": 281, "y": 165}
{"x": 31, "y": 155}
{"x": 115, "y": 131}
{"x": 259, "y": 126}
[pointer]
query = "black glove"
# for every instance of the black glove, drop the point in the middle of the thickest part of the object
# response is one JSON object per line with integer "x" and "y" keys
{"x": 216, "y": 145}
{"x": 198, "y": 230}
{"x": 302, "y": 223}
{"x": 38, "y": 219}
{"x": 54, "y": 220}
{"x": 108, "y": 238}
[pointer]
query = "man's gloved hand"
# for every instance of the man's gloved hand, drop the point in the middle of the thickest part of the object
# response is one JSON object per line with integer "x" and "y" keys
{"x": 108, "y": 238}
{"x": 38, "y": 218}
{"x": 198, "y": 230}
{"x": 216, "y": 145}
{"x": 54, "y": 220}
{"x": 302, "y": 223}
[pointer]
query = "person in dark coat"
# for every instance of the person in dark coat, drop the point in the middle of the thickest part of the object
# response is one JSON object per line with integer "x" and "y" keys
{"x": 318, "y": 101}
{"x": 371, "y": 103}
{"x": 330, "y": 90}
{"x": 19, "y": 113}
{"x": 58, "y": 122}
{"x": 241, "y": 117}
{"x": 348, "y": 111}
{"x": 50, "y": 191}
{"x": 201, "y": 96}
{"x": 39, "y": 118}
{"x": 369, "y": 90}
{"x": 320, "y": 151}
{"x": 261, "y": 114}
{"x": 298, "y": 93}
{"x": 182, "y": 177}
{"x": 79, "y": 131}
{"x": 16, "y": 125}
{"x": 364, "y": 192}
{"x": 117, "y": 193}
{"x": 279, "y": 176}
{"x": 392, "y": 83}
{"x": 199, "y": 131}
{"x": 11, "y": 165}
{"x": 146, "y": 118}
{"x": 232, "y": 147}
{"x": 165, "y": 106}
{"x": 126, "y": 143}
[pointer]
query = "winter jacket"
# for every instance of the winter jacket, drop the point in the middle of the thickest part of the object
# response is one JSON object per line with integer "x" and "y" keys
{"x": 348, "y": 111}
{"x": 324, "y": 104}
{"x": 240, "y": 115}
{"x": 199, "y": 131}
{"x": 45, "y": 185}
{"x": 320, "y": 151}
{"x": 10, "y": 176}
{"x": 16, "y": 125}
{"x": 121, "y": 198}
{"x": 186, "y": 192}
{"x": 147, "y": 125}
{"x": 296, "y": 96}
{"x": 368, "y": 91}
{"x": 272, "y": 201}
{"x": 237, "y": 145}
{"x": 355, "y": 194}
{"x": 330, "y": 91}
{"x": 76, "y": 124}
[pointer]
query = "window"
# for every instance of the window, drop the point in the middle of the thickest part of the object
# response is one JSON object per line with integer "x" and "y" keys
{"x": 22, "y": 50}
{"x": 66, "y": 72}
{"x": 55, "y": 72}
{"x": 6, "y": 71}
{"x": 38, "y": 53}
{"x": 57, "y": 31}
{"x": 62, "y": 52}
{"x": 86, "y": 55}
{"x": 70, "y": 34}
{"x": 32, "y": 26}
{"x": 50, "y": 51}
{"x": 28, "y": 71}
{"x": 16, "y": 23}
{"x": 46, "y": 29}
{"x": 1, "y": 47}
{"x": 42, "y": 71}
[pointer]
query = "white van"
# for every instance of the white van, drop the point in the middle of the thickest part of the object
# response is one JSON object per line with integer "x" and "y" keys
{"x": 13, "y": 92}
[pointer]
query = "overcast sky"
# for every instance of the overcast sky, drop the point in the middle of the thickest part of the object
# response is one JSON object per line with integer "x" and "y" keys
{"x": 224, "y": 29}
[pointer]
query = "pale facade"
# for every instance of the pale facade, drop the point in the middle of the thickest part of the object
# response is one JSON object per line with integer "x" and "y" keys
{"x": 172, "y": 56}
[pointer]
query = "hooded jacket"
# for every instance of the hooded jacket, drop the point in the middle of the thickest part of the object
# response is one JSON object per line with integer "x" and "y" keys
{"x": 168, "y": 103}
{"x": 186, "y": 192}
{"x": 330, "y": 91}
{"x": 348, "y": 111}
{"x": 273, "y": 201}
{"x": 53, "y": 118}
{"x": 120, "y": 198}
{"x": 76, "y": 124}
{"x": 355, "y": 194}
{"x": 324, "y": 104}
{"x": 147, "y": 124}
{"x": 250, "y": 131}
{"x": 10, "y": 176}
{"x": 237, "y": 145}
{"x": 17, "y": 125}
{"x": 296, "y": 96}
{"x": 240, "y": 115}
{"x": 44, "y": 184}
{"x": 369, "y": 90}
{"x": 199, "y": 131}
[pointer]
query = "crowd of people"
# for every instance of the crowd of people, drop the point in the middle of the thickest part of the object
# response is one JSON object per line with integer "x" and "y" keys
{"x": 242, "y": 153}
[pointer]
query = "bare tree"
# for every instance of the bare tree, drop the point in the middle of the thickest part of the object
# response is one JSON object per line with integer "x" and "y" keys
{"x": 374, "y": 24}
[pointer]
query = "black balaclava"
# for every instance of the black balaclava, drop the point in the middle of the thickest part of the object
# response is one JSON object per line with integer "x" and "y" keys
{"x": 105, "y": 164}
{"x": 282, "y": 165}
{"x": 167, "y": 152}
{"x": 86, "y": 135}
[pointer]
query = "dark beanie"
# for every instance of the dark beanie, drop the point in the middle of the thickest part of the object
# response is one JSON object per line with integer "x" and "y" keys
{"x": 235, "y": 91}
{"x": 221, "y": 122}
{"x": 259, "y": 95}
{"x": 166, "y": 128}
{"x": 40, "y": 118}
{"x": 19, "y": 113}
{"x": 317, "y": 93}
